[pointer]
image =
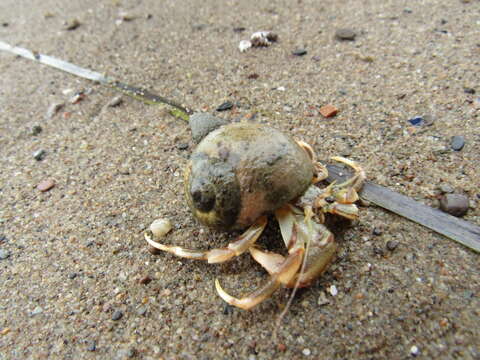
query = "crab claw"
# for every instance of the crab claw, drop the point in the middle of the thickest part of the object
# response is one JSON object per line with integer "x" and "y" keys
{"x": 286, "y": 272}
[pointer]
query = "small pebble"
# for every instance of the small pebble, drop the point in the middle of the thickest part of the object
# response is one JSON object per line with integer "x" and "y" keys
{"x": 227, "y": 105}
{"x": 469, "y": 90}
{"x": 79, "y": 96}
{"x": 445, "y": 189}
{"x": 39, "y": 155}
{"x": 414, "y": 350}
{"x": 36, "y": 129}
{"x": 53, "y": 109}
{"x": 377, "y": 232}
{"x": 306, "y": 352}
{"x": 145, "y": 280}
{"x": 328, "y": 110}
{"x": 182, "y": 146}
{"x": 117, "y": 315}
{"x": 92, "y": 346}
{"x": 416, "y": 121}
{"x": 4, "y": 254}
{"x": 160, "y": 227}
{"x": 45, "y": 185}
{"x": 282, "y": 347}
{"x": 244, "y": 45}
{"x": 457, "y": 142}
{"x": 333, "y": 290}
{"x": 239, "y": 29}
{"x": 322, "y": 299}
{"x": 36, "y": 311}
{"x": 454, "y": 204}
{"x": 345, "y": 34}
{"x": 72, "y": 276}
{"x": 142, "y": 310}
{"x": 299, "y": 52}
{"x": 72, "y": 24}
{"x": 392, "y": 245}
{"x": 117, "y": 100}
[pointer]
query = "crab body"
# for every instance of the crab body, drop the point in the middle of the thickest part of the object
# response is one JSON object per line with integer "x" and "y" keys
{"x": 240, "y": 172}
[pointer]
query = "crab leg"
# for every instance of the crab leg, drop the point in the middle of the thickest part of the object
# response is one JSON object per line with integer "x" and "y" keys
{"x": 285, "y": 273}
{"x": 243, "y": 243}
{"x": 317, "y": 239}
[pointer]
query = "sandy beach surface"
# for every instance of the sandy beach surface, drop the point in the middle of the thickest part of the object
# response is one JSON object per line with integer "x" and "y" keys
{"x": 76, "y": 278}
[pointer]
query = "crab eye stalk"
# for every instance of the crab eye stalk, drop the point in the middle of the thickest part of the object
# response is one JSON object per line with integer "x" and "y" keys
{"x": 203, "y": 196}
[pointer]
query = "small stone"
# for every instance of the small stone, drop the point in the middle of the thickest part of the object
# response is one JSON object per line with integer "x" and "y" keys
{"x": 263, "y": 38}
{"x": 244, "y": 45}
{"x": 72, "y": 24}
{"x": 239, "y": 29}
{"x": 145, "y": 280}
{"x": 202, "y": 124}
{"x": 77, "y": 97}
{"x": 414, "y": 350}
{"x": 36, "y": 129}
{"x": 392, "y": 245}
{"x": 457, "y": 142}
{"x": 4, "y": 254}
{"x": 416, "y": 121}
{"x": 445, "y": 189}
{"x": 282, "y": 347}
{"x": 92, "y": 346}
{"x": 299, "y": 52}
{"x": 45, "y": 185}
{"x": 124, "y": 16}
{"x": 454, "y": 204}
{"x": 345, "y": 34}
{"x": 377, "y": 232}
{"x": 117, "y": 315}
{"x": 39, "y": 155}
{"x": 160, "y": 227}
{"x": 142, "y": 310}
{"x": 36, "y": 311}
{"x": 333, "y": 290}
{"x": 53, "y": 109}
{"x": 116, "y": 101}
{"x": 328, "y": 110}
{"x": 469, "y": 90}
{"x": 182, "y": 146}
{"x": 72, "y": 276}
{"x": 322, "y": 299}
{"x": 306, "y": 352}
{"x": 227, "y": 105}
{"x": 5, "y": 24}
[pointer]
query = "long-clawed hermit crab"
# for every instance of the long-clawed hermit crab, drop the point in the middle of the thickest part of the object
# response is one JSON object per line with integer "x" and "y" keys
{"x": 240, "y": 172}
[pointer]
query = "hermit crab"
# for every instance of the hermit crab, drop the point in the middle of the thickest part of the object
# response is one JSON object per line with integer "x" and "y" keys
{"x": 239, "y": 173}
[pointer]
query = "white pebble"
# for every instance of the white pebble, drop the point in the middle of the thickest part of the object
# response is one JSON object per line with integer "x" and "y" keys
{"x": 414, "y": 350}
{"x": 306, "y": 352}
{"x": 160, "y": 227}
{"x": 244, "y": 45}
{"x": 333, "y": 290}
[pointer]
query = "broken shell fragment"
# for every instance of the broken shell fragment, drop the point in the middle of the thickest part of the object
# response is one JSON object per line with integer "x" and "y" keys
{"x": 160, "y": 227}
{"x": 258, "y": 39}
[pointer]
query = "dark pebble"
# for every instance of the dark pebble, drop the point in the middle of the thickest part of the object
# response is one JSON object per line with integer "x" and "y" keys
{"x": 227, "y": 309}
{"x": 299, "y": 52}
{"x": 72, "y": 24}
{"x": 182, "y": 146}
{"x": 378, "y": 251}
{"x": 377, "y": 232}
{"x": 92, "y": 346}
{"x": 72, "y": 276}
{"x": 392, "y": 244}
{"x": 468, "y": 90}
{"x": 457, "y": 142}
{"x": 131, "y": 353}
{"x": 36, "y": 129}
{"x": 3, "y": 238}
{"x": 345, "y": 34}
{"x": 407, "y": 11}
{"x": 145, "y": 280}
{"x": 4, "y": 254}
{"x": 416, "y": 121}
{"x": 39, "y": 155}
{"x": 239, "y": 29}
{"x": 454, "y": 204}
{"x": 445, "y": 189}
{"x": 227, "y": 105}
{"x": 5, "y": 24}
{"x": 117, "y": 315}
